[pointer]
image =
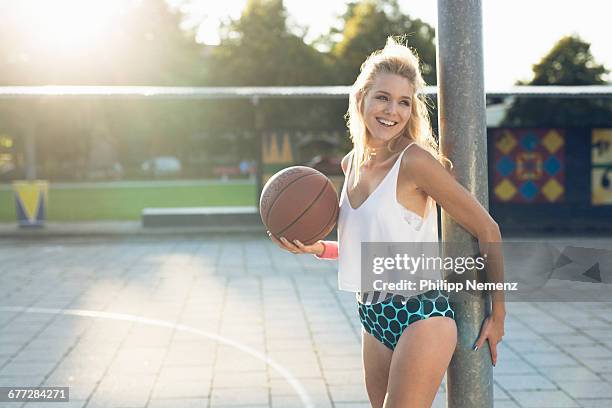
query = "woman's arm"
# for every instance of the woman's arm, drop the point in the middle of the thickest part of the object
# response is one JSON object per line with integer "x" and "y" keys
{"x": 320, "y": 249}
{"x": 429, "y": 176}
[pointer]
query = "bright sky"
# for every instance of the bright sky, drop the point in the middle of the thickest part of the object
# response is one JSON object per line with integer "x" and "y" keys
{"x": 517, "y": 33}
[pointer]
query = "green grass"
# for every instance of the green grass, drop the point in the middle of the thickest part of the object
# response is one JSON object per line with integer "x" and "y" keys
{"x": 122, "y": 203}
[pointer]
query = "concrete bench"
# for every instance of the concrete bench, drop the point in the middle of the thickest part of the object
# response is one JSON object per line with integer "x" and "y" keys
{"x": 201, "y": 217}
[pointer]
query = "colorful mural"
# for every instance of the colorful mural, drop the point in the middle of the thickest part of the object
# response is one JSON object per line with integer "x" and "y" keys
{"x": 529, "y": 165}
{"x": 601, "y": 167}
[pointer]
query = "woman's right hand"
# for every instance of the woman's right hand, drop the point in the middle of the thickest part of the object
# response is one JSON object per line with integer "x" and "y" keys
{"x": 296, "y": 247}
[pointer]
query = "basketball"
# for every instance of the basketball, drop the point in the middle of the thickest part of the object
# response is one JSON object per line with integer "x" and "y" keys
{"x": 299, "y": 203}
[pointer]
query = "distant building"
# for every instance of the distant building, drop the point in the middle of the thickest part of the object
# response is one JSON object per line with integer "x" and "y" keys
{"x": 497, "y": 112}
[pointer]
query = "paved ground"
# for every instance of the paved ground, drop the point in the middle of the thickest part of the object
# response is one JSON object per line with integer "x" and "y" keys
{"x": 228, "y": 321}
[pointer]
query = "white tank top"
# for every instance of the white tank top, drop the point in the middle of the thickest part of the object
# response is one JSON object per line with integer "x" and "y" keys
{"x": 380, "y": 218}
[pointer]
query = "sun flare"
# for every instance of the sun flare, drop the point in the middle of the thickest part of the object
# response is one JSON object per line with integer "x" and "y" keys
{"x": 68, "y": 26}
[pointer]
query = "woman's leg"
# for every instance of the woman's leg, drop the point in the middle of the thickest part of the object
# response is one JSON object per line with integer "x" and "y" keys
{"x": 376, "y": 362}
{"x": 419, "y": 362}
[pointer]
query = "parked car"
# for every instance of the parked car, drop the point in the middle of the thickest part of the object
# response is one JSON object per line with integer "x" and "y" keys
{"x": 162, "y": 166}
{"x": 328, "y": 165}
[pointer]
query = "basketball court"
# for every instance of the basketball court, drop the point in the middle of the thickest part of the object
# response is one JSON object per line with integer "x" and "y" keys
{"x": 231, "y": 321}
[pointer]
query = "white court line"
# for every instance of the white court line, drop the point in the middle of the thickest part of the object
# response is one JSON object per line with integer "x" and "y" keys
{"x": 297, "y": 386}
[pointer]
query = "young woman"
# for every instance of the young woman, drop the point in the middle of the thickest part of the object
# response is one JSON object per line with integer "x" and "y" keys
{"x": 393, "y": 179}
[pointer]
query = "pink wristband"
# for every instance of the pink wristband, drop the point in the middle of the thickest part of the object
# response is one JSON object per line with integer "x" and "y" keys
{"x": 330, "y": 250}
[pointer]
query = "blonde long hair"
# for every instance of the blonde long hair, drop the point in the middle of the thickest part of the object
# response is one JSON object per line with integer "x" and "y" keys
{"x": 397, "y": 59}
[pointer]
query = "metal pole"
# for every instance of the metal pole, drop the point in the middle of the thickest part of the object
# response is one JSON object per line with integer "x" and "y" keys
{"x": 30, "y": 149}
{"x": 462, "y": 128}
{"x": 258, "y": 126}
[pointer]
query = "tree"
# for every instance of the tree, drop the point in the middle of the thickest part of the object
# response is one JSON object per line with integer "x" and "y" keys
{"x": 569, "y": 62}
{"x": 367, "y": 24}
{"x": 257, "y": 49}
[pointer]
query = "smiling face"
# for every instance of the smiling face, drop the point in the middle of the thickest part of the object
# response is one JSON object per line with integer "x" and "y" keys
{"x": 387, "y": 107}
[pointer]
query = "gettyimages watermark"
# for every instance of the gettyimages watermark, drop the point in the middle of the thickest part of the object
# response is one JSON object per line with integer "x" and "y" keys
{"x": 524, "y": 271}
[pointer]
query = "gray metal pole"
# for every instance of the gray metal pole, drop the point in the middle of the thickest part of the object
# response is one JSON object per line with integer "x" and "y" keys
{"x": 30, "y": 150}
{"x": 259, "y": 117}
{"x": 462, "y": 128}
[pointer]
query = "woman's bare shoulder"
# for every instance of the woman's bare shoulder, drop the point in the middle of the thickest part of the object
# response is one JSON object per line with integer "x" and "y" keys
{"x": 417, "y": 157}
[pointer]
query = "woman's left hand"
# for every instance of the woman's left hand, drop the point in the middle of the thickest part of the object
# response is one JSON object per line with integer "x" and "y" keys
{"x": 493, "y": 331}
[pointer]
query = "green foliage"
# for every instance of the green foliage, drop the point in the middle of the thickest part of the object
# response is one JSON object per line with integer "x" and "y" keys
{"x": 367, "y": 24}
{"x": 569, "y": 62}
{"x": 257, "y": 50}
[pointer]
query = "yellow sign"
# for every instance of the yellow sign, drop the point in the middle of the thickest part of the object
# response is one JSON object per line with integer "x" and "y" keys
{"x": 31, "y": 197}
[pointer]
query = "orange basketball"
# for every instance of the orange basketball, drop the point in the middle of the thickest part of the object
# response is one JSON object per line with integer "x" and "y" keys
{"x": 299, "y": 203}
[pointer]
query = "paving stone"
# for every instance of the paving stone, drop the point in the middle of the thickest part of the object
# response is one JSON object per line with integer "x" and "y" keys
{"x": 73, "y": 403}
{"x": 544, "y": 399}
{"x": 192, "y": 372}
{"x": 348, "y": 393}
{"x": 291, "y": 357}
{"x": 238, "y": 363}
{"x": 524, "y": 382}
{"x": 252, "y": 396}
{"x": 179, "y": 403}
{"x": 598, "y": 365}
{"x": 22, "y": 380}
{"x": 50, "y": 354}
{"x": 344, "y": 377}
{"x": 243, "y": 379}
{"x": 27, "y": 368}
{"x": 595, "y": 403}
{"x": 349, "y": 351}
{"x": 551, "y": 329}
{"x": 587, "y": 389}
{"x": 590, "y": 352}
{"x": 352, "y": 405}
{"x": 513, "y": 367}
{"x": 315, "y": 387}
{"x": 574, "y": 339}
{"x": 190, "y": 355}
{"x": 552, "y": 360}
{"x": 506, "y": 404}
{"x": 570, "y": 374}
{"x": 522, "y": 347}
{"x": 293, "y": 401}
{"x": 300, "y": 344}
{"x": 299, "y": 370}
{"x": 181, "y": 389}
{"x": 499, "y": 394}
{"x": 342, "y": 363}
{"x": 137, "y": 360}
{"x": 148, "y": 337}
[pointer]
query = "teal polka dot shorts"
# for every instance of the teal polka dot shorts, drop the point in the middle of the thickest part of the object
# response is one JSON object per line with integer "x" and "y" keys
{"x": 387, "y": 320}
